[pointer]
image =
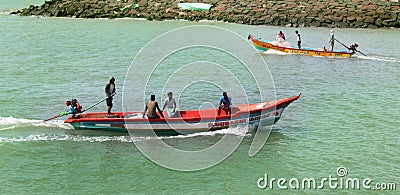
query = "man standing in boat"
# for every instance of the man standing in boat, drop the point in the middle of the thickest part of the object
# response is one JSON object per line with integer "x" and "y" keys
{"x": 170, "y": 104}
{"x": 110, "y": 90}
{"x": 152, "y": 105}
{"x": 225, "y": 103}
{"x": 332, "y": 40}
{"x": 298, "y": 39}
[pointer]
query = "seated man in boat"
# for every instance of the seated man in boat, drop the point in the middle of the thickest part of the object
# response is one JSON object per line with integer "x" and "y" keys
{"x": 152, "y": 105}
{"x": 170, "y": 104}
{"x": 225, "y": 103}
{"x": 280, "y": 35}
{"x": 75, "y": 107}
{"x": 353, "y": 47}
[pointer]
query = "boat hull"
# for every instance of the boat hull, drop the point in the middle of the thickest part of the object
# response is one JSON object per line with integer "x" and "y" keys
{"x": 264, "y": 46}
{"x": 261, "y": 114}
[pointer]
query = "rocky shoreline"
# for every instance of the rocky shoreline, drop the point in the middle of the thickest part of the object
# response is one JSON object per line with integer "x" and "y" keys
{"x": 317, "y": 13}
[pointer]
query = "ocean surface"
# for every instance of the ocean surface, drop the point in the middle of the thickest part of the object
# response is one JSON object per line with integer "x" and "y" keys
{"x": 347, "y": 116}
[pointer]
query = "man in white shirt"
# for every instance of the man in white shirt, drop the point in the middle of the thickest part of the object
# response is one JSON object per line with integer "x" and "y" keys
{"x": 170, "y": 104}
{"x": 332, "y": 40}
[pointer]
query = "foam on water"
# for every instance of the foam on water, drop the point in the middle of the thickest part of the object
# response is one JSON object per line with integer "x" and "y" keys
{"x": 378, "y": 58}
{"x": 5, "y": 12}
{"x": 75, "y": 138}
{"x": 7, "y": 123}
{"x": 275, "y": 52}
{"x": 238, "y": 131}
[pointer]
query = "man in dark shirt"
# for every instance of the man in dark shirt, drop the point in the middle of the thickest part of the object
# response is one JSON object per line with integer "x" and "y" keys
{"x": 110, "y": 90}
{"x": 225, "y": 103}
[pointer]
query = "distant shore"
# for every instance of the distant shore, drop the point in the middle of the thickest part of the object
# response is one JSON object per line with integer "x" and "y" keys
{"x": 296, "y": 13}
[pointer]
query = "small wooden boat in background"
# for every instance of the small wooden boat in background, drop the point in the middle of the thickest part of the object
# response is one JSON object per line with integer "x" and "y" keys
{"x": 265, "y": 45}
{"x": 189, "y": 121}
{"x": 195, "y": 6}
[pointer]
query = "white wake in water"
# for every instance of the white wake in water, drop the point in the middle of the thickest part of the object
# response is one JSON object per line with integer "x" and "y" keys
{"x": 275, "y": 52}
{"x": 75, "y": 138}
{"x": 378, "y": 58}
{"x": 7, "y": 123}
{"x": 237, "y": 131}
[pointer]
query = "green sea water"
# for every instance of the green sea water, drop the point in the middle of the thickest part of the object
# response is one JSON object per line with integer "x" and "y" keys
{"x": 348, "y": 115}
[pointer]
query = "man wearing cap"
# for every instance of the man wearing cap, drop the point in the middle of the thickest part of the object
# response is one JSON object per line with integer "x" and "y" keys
{"x": 110, "y": 90}
{"x": 332, "y": 40}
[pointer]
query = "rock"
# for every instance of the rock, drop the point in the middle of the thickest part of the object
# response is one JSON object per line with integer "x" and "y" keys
{"x": 372, "y": 7}
{"x": 351, "y": 18}
{"x": 369, "y": 19}
{"x": 269, "y": 20}
{"x": 389, "y": 22}
{"x": 142, "y": 3}
{"x": 336, "y": 18}
{"x": 359, "y": 24}
{"x": 342, "y": 24}
{"x": 378, "y": 22}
